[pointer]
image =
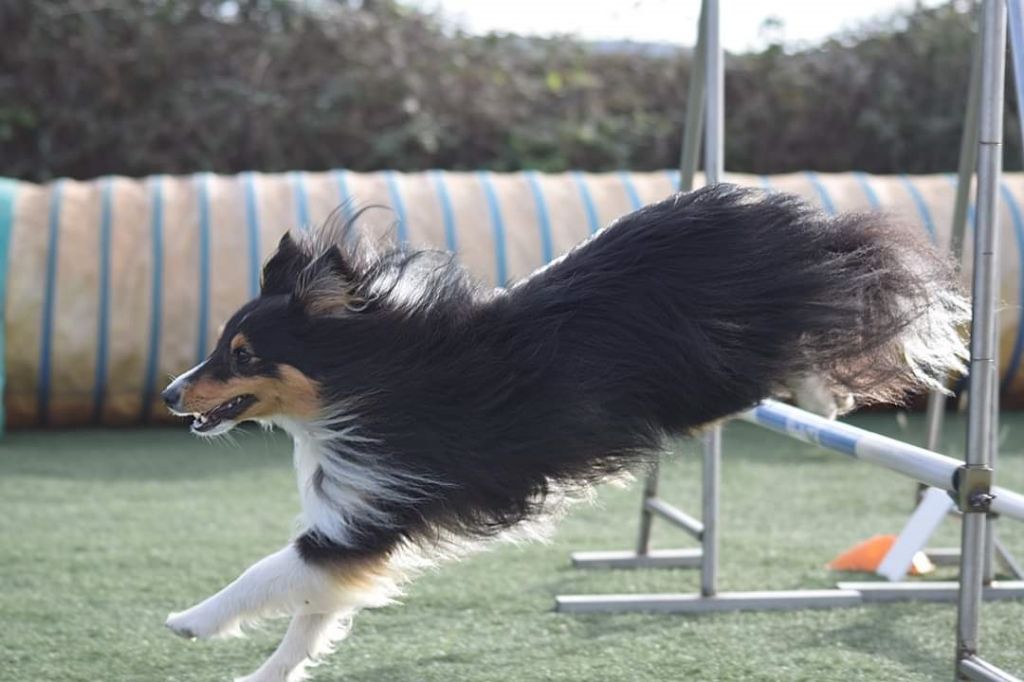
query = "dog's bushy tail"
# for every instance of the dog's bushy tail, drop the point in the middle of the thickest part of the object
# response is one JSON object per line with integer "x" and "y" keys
{"x": 890, "y": 317}
{"x": 756, "y": 293}
{"x": 880, "y": 312}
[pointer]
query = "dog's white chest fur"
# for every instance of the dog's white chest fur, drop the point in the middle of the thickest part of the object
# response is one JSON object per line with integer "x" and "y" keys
{"x": 307, "y": 457}
{"x": 327, "y": 507}
{"x": 342, "y": 484}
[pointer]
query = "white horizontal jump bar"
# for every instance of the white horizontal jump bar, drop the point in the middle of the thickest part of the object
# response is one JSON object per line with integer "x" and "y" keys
{"x": 922, "y": 465}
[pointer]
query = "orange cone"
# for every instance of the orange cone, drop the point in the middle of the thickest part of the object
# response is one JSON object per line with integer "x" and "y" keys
{"x": 865, "y": 557}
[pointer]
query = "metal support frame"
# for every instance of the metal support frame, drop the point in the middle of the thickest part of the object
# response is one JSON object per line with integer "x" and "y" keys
{"x": 714, "y": 166}
{"x": 965, "y": 173}
{"x": 976, "y": 475}
{"x": 995, "y": 551}
{"x": 705, "y": 102}
{"x": 930, "y": 468}
{"x": 970, "y": 482}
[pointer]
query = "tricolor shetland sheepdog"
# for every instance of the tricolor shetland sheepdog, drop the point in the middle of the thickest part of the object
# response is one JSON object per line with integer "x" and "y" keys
{"x": 430, "y": 414}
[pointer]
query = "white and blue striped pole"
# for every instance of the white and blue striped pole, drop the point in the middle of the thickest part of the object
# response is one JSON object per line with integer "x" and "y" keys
{"x": 922, "y": 465}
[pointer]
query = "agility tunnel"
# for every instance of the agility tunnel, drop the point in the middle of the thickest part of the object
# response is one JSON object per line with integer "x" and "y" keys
{"x": 111, "y": 286}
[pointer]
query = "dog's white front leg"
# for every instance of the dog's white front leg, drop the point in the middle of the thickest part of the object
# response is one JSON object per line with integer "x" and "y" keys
{"x": 309, "y": 637}
{"x": 279, "y": 584}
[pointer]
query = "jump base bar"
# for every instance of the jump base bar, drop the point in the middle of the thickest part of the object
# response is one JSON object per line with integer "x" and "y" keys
{"x": 656, "y": 558}
{"x": 847, "y": 594}
{"x": 975, "y": 668}
{"x": 930, "y": 591}
{"x": 696, "y": 603}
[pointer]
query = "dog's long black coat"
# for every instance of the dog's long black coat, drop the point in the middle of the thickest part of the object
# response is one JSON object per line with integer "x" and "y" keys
{"x": 681, "y": 313}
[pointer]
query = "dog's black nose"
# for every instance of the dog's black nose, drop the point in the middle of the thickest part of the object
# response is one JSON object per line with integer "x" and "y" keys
{"x": 171, "y": 395}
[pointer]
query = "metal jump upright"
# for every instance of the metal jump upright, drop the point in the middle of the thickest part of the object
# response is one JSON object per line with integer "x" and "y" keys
{"x": 975, "y": 496}
{"x": 707, "y": 87}
{"x": 970, "y": 482}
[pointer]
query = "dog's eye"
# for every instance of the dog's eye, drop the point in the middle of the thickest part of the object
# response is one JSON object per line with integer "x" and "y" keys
{"x": 242, "y": 356}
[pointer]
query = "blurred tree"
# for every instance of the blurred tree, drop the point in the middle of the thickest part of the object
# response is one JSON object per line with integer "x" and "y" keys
{"x": 89, "y": 87}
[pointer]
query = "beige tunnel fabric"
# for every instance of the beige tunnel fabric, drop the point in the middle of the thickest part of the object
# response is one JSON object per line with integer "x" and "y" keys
{"x": 115, "y": 285}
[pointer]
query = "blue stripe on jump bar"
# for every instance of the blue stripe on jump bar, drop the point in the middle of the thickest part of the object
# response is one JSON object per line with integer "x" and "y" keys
{"x": 869, "y": 191}
{"x": 769, "y": 418}
{"x": 99, "y": 388}
{"x": 837, "y": 441}
{"x": 1013, "y": 366}
{"x": 49, "y": 296}
{"x": 674, "y": 177}
{"x": 8, "y": 194}
{"x": 766, "y": 183}
{"x": 497, "y": 225}
{"x": 543, "y": 218}
{"x": 301, "y": 197}
{"x": 825, "y": 437}
{"x": 593, "y": 223}
{"x": 634, "y": 196}
{"x": 823, "y": 196}
{"x": 203, "y": 186}
{"x": 156, "y": 191}
{"x": 922, "y": 207}
{"x": 252, "y": 228}
{"x": 451, "y": 239}
{"x": 395, "y": 194}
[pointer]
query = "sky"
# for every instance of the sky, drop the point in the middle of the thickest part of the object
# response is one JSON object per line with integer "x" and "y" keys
{"x": 672, "y": 21}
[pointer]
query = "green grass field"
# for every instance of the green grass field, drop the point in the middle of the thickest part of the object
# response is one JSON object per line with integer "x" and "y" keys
{"x": 103, "y": 532}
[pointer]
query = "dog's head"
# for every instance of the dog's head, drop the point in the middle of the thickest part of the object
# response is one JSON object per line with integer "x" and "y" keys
{"x": 264, "y": 364}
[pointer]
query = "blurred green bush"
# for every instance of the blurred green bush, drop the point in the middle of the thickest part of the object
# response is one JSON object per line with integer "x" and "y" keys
{"x": 89, "y": 87}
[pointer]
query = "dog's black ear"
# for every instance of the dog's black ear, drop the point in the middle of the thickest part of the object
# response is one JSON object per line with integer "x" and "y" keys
{"x": 282, "y": 270}
{"x": 327, "y": 286}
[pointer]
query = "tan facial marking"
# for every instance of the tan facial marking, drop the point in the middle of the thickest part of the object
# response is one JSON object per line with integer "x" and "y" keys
{"x": 291, "y": 394}
{"x": 237, "y": 341}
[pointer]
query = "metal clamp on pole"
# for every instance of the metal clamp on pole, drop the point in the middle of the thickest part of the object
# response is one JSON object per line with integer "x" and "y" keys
{"x": 973, "y": 486}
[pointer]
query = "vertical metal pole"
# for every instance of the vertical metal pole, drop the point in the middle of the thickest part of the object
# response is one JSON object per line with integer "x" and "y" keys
{"x": 965, "y": 172}
{"x": 980, "y": 416}
{"x": 988, "y": 573}
{"x": 694, "y": 107}
{"x": 933, "y": 420}
{"x": 687, "y": 169}
{"x": 968, "y": 154}
{"x": 643, "y": 541}
{"x": 714, "y": 132}
{"x": 711, "y": 484}
{"x": 988, "y": 567}
{"x": 714, "y": 152}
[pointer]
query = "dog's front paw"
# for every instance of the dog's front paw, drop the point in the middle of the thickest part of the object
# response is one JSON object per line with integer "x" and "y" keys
{"x": 179, "y": 626}
{"x": 813, "y": 393}
{"x": 195, "y": 624}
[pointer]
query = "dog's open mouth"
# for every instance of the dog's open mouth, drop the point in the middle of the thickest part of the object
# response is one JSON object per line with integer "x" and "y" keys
{"x": 207, "y": 421}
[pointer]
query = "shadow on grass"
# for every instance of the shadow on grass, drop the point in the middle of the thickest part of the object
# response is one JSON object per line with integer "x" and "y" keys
{"x": 893, "y": 626}
{"x": 139, "y": 454}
